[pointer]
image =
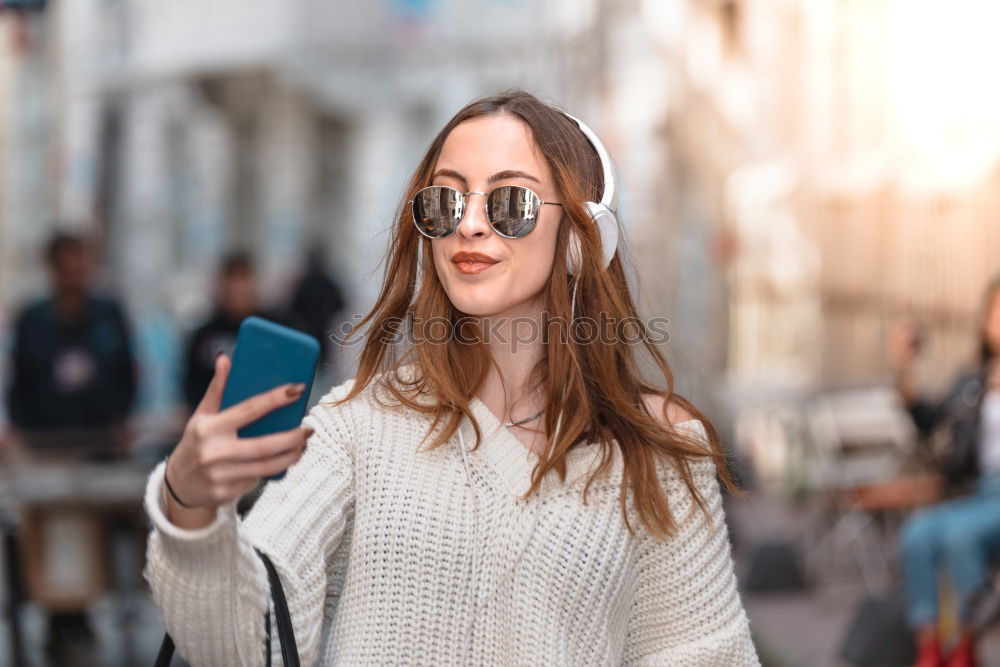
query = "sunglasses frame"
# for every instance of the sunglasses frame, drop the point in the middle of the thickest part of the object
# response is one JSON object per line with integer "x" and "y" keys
{"x": 486, "y": 196}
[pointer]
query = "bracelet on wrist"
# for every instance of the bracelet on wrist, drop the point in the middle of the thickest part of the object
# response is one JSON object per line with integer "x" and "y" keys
{"x": 170, "y": 489}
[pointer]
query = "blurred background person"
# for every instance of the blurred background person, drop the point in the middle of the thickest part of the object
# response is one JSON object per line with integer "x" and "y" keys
{"x": 316, "y": 299}
{"x": 72, "y": 382}
{"x": 961, "y": 534}
{"x": 236, "y": 298}
{"x": 72, "y": 367}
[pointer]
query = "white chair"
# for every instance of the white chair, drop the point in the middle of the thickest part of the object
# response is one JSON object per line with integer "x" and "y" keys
{"x": 859, "y": 437}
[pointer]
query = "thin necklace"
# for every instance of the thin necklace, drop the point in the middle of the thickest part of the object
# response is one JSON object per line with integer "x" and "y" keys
{"x": 522, "y": 421}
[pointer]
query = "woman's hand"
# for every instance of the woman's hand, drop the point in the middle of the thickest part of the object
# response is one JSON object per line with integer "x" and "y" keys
{"x": 211, "y": 466}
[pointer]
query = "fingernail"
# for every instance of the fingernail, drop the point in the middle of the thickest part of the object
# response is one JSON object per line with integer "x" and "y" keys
{"x": 296, "y": 389}
{"x": 218, "y": 354}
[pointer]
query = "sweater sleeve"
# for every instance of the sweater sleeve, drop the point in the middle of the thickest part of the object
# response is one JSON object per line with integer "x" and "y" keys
{"x": 210, "y": 585}
{"x": 687, "y": 610}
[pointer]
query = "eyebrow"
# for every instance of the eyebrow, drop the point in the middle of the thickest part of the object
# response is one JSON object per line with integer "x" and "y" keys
{"x": 499, "y": 176}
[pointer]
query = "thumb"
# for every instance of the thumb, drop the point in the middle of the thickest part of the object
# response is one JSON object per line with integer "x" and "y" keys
{"x": 212, "y": 399}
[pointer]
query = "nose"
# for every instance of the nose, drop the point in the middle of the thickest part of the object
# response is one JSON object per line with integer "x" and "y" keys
{"x": 474, "y": 222}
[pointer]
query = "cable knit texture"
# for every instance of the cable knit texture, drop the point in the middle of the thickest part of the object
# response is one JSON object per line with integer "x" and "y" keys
{"x": 375, "y": 544}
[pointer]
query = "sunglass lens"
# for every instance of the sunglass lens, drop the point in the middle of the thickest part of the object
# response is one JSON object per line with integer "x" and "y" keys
{"x": 513, "y": 210}
{"x": 437, "y": 210}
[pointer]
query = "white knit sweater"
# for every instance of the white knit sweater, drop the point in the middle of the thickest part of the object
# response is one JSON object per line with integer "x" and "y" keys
{"x": 375, "y": 545}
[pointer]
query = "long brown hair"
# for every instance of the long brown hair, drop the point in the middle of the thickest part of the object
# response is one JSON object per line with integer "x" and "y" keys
{"x": 601, "y": 380}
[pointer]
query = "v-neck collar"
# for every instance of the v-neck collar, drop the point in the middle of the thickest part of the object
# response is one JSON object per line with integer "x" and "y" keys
{"x": 515, "y": 463}
{"x": 505, "y": 453}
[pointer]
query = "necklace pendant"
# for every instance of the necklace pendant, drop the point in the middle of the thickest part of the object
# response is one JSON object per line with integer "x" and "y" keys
{"x": 523, "y": 421}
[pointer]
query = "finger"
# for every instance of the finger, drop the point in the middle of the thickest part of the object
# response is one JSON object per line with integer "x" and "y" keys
{"x": 212, "y": 399}
{"x": 247, "y": 471}
{"x": 259, "y": 447}
{"x": 257, "y": 406}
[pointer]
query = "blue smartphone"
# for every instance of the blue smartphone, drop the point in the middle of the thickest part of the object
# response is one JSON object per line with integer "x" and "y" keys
{"x": 267, "y": 355}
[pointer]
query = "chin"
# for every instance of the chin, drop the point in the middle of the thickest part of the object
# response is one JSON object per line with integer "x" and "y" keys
{"x": 478, "y": 307}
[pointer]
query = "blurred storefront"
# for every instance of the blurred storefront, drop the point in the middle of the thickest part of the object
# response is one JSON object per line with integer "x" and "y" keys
{"x": 841, "y": 175}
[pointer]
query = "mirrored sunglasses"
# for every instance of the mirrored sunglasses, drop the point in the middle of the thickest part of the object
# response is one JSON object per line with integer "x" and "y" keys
{"x": 512, "y": 210}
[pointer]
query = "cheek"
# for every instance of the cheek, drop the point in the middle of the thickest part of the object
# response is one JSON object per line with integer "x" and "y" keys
{"x": 438, "y": 252}
{"x": 533, "y": 259}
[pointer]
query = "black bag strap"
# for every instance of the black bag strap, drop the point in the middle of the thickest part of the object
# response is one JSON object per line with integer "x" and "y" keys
{"x": 286, "y": 634}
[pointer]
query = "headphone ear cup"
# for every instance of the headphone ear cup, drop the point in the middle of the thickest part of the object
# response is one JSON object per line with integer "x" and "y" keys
{"x": 607, "y": 227}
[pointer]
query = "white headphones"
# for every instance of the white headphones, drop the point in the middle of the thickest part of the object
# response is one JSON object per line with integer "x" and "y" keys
{"x": 604, "y": 214}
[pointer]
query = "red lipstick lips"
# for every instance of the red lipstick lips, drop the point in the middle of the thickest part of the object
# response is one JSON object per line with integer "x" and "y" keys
{"x": 472, "y": 262}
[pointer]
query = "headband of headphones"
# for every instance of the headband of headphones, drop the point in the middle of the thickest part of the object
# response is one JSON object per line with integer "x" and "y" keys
{"x": 610, "y": 196}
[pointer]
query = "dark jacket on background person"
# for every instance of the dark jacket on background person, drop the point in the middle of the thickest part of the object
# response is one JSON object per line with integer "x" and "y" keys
{"x": 217, "y": 334}
{"x": 68, "y": 374}
{"x": 317, "y": 298}
{"x": 958, "y": 411}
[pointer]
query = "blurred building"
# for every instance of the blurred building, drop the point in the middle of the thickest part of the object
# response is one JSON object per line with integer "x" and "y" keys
{"x": 846, "y": 173}
{"x": 175, "y": 131}
{"x": 794, "y": 173}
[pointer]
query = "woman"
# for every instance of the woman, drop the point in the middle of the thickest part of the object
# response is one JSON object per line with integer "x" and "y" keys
{"x": 962, "y": 534}
{"x": 437, "y": 515}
